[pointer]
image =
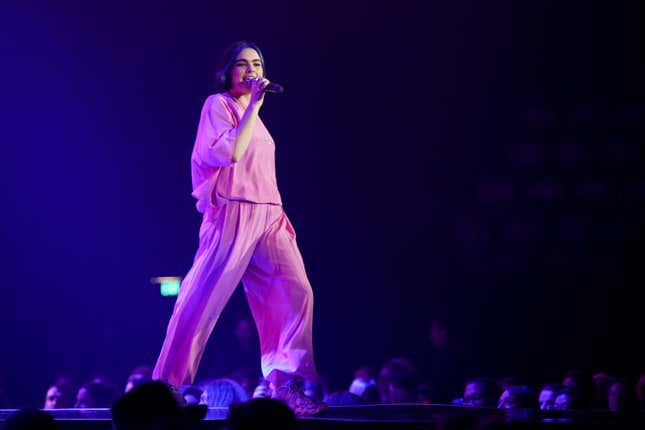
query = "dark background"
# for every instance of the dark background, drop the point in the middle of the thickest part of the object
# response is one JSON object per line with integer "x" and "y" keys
{"x": 480, "y": 162}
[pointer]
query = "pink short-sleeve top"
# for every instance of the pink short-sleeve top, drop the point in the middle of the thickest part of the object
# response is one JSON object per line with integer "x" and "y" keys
{"x": 216, "y": 178}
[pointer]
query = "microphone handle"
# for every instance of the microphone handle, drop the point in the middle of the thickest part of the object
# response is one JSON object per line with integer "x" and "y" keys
{"x": 274, "y": 88}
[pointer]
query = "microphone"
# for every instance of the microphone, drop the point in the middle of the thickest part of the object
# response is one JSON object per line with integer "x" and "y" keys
{"x": 274, "y": 88}
{"x": 271, "y": 88}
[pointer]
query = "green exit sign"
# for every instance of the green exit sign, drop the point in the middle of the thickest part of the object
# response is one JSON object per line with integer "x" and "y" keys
{"x": 168, "y": 285}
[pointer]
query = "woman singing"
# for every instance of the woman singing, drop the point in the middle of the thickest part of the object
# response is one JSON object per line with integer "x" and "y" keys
{"x": 245, "y": 235}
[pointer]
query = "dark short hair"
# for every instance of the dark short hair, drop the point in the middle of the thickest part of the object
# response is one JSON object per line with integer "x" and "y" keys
{"x": 30, "y": 419}
{"x": 575, "y": 400}
{"x": 261, "y": 413}
{"x": 226, "y": 61}
{"x": 100, "y": 393}
{"x": 153, "y": 405}
{"x": 522, "y": 395}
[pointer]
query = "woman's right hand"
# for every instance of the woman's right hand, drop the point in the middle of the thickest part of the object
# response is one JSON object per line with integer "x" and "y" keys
{"x": 257, "y": 91}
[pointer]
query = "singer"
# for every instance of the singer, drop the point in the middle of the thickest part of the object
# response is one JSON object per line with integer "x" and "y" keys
{"x": 245, "y": 235}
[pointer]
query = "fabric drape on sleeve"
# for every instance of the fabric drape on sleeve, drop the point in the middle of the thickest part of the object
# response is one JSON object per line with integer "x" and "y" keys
{"x": 216, "y": 134}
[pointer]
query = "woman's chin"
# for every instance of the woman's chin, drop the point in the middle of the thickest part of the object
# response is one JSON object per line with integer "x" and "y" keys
{"x": 240, "y": 90}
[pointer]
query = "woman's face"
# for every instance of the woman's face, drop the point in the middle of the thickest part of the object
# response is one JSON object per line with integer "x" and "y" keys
{"x": 247, "y": 65}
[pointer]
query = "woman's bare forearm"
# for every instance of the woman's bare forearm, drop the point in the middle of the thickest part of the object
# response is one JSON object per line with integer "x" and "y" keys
{"x": 245, "y": 131}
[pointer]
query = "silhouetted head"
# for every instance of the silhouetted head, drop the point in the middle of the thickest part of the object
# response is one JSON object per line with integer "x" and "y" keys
{"x": 136, "y": 380}
{"x": 640, "y": 392}
{"x": 547, "y": 395}
{"x": 622, "y": 396}
{"x": 316, "y": 389}
{"x": 138, "y": 376}
{"x": 567, "y": 399}
{"x": 601, "y": 382}
{"x": 517, "y": 396}
{"x": 152, "y": 406}
{"x": 398, "y": 381}
{"x": 480, "y": 393}
{"x": 365, "y": 385}
{"x": 366, "y": 389}
{"x": 262, "y": 413}
{"x": 95, "y": 394}
{"x": 60, "y": 394}
{"x": 222, "y": 392}
{"x": 30, "y": 419}
{"x": 192, "y": 394}
{"x": 583, "y": 384}
{"x": 56, "y": 398}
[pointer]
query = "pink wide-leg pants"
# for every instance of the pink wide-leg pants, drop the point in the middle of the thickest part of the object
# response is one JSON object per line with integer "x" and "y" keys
{"x": 254, "y": 243}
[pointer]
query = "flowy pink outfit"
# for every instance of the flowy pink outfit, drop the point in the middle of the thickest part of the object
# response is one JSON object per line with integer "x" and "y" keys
{"x": 245, "y": 236}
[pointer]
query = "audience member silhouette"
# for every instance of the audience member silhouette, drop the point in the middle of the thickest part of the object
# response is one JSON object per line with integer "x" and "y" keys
{"x": 60, "y": 394}
{"x": 261, "y": 413}
{"x": 622, "y": 397}
{"x": 153, "y": 407}
{"x": 601, "y": 381}
{"x": 517, "y": 396}
{"x": 54, "y": 398}
{"x": 567, "y": 399}
{"x": 30, "y": 419}
{"x": 480, "y": 393}
{"x": 222, "y": 393}
{"x": 640, "y": 392}
{"x": 95, "y": 394}
{"x": 138, "y": 376}
{"x": 398, "y": 381}
{"x": 546, "y": 398}
{"x": 364, "y": 386}
{"x": 263, "y": 390}
{"x": 192, "y": 394}
{"x": 317, "y": 389}
{"x": 583, "y": 385}
{"x": 438, "y": 359}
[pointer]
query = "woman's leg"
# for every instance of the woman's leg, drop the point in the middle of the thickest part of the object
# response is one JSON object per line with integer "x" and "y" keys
{"x": 228, "y": 237}
{"x": 281, "y": 300}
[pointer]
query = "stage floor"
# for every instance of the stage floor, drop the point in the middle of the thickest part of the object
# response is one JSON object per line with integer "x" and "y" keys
{"x": 399, "y": 416}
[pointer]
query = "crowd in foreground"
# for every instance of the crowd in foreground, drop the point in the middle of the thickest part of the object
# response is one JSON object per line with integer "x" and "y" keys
{"x": 397, "y": 381}
{"x": 144, "y": 403}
